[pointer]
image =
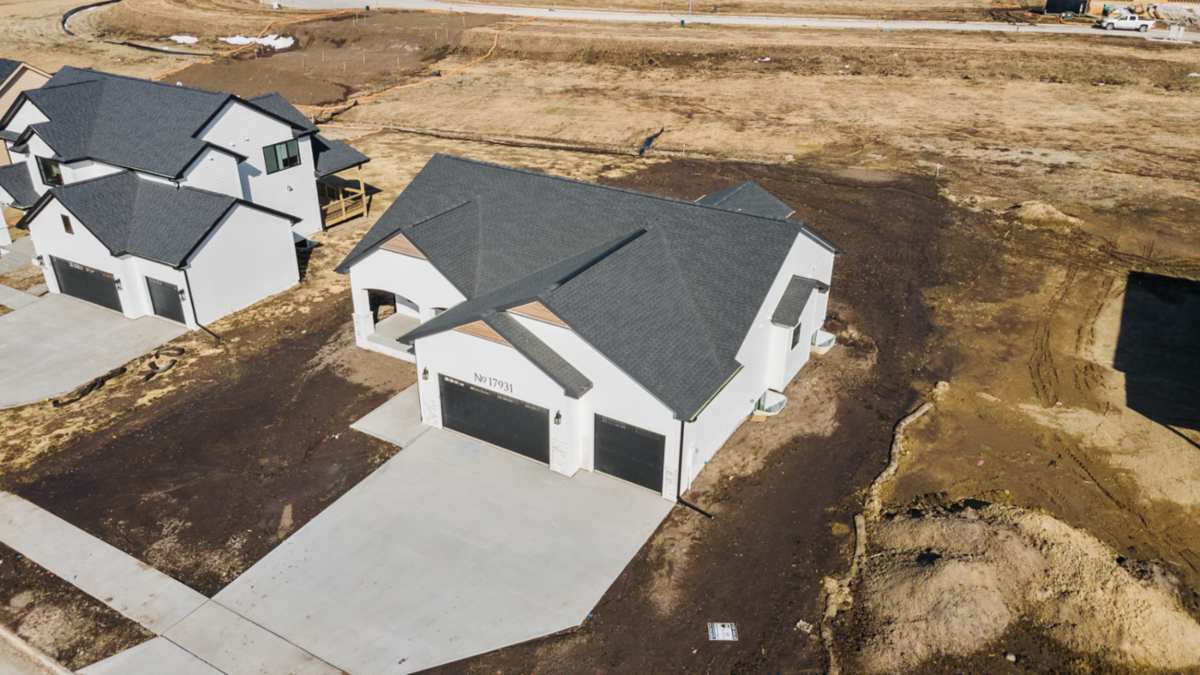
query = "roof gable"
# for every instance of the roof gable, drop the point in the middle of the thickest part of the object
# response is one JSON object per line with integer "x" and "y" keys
{"x": 141, "y": 217}
{"x": 136, "y": 124}
{"x": 666, "y": 289}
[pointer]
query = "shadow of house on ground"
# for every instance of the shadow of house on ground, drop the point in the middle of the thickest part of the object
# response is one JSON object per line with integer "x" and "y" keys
{"x": 1158, "y": 349}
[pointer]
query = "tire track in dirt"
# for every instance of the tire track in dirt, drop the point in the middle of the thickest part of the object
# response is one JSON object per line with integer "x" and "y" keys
{"x": 1043, "y": 372}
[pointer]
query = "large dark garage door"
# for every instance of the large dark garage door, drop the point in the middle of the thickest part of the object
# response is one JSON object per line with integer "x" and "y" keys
{"x": 627, "y": 452}
{"x": 86, "y": 283}
{"x": 499, "y": 420}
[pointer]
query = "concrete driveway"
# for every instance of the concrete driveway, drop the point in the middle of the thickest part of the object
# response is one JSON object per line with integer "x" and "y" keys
{"x": 57, "y": 343}
{"x": 452, "y": 548}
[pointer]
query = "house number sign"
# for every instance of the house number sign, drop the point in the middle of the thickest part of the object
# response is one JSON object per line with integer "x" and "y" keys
{"x": 493, "y": 383}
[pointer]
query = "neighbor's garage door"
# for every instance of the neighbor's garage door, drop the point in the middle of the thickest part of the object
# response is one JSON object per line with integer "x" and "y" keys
{"x": 86, "y": 283}
{"x": 499, "y": 420}
{"x": 627, "y": 452}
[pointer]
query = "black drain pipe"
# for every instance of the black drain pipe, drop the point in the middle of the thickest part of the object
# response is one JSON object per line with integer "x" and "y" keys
{"x": 192, "y": 300}
{"x": 679, "y": 479}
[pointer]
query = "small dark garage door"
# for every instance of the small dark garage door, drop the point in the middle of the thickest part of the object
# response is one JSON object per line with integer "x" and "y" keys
{"x": 86, "y": 283}
{"x": 627, "y": 452}
{"x": 165, "y": 299}
{"x": 507, "y": 422}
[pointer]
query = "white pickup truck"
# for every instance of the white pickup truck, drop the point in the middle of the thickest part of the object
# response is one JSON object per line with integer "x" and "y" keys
{"x": 1125, "y": 22}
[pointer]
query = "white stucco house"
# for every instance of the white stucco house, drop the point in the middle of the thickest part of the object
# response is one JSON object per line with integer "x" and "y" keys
{"x": 588, "y": 327}
{"x": 150, "y": 198}
{"x": 15, "y": 77}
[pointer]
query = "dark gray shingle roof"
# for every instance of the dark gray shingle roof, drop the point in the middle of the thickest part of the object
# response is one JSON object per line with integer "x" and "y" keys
{"x": 278, "y": 106}
{"x": 335, "y": 156}
{"x": 7, "y": 68}
{"x": 795, "y": 298}
{"x": 15, "y": 180}
{"x": 132, "y": 123}
{"x": 573, "y": 382}
{"x": 665, "y": 289}
{"x": 748, "y": 197}
{"x": 146, "y": 218}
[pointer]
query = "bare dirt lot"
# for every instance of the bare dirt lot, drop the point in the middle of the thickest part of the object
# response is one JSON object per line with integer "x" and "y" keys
{"x": 1019, "y": 216}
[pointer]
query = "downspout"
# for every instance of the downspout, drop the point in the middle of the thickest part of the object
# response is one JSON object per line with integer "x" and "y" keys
{"x": 679, "y": 479}
{"x": 187, "y": 281}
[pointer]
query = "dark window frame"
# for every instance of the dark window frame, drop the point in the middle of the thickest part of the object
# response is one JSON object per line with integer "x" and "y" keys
{"x": 275, "y": 161}
{"x": 67, "y": 226}
{"x": 50, "y": 170}
{"x": 796, "y": 335}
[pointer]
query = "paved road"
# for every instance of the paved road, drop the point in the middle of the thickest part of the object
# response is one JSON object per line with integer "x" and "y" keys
{"x": 724, "y": 19}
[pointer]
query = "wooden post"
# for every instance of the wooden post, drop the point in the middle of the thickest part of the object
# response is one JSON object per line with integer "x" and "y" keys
{"x": 362, "y": 191}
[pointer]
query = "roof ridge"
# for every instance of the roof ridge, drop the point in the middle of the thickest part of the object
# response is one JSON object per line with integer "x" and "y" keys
{"x": 129, "y": 78}
{"x": 614, "y": 188}
{"x": 705, "y": 326}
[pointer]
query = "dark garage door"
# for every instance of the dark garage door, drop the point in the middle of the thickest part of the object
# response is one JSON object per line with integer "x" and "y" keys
{"x": 627, "y": 452}
{"x": 86, "y": 283}
{"x": 165, "y": 299}
{"x": 499, "y": 420}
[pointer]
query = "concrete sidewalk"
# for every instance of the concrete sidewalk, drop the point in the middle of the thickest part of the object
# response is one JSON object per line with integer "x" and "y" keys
{"x": 14, "y": 299}
{"x": 129, "y": 586}
{"x": 397, "y": 422}
{"x": 197, "y": 635}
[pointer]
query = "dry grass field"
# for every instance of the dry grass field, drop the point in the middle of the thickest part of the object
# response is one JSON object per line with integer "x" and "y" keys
{"x": 1021, "y": 221}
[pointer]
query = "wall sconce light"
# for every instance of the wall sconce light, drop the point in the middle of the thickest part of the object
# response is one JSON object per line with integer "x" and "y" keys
{"x": 182, "y": 295}
{"x": 118, "y": 284}
{"x": 40, "y": 260}
{"x": 425, "y": 374}
{"x": 557, "y": 417}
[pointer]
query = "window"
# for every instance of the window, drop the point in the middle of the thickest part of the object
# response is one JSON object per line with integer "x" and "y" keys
{"x": 282, "y": 156}
{"x": 796, "y": 335}
{"x": 50, "y": 170}
{"x": 67, "y": 227}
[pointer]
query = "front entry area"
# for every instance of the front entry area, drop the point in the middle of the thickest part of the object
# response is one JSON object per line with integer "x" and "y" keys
{"x": 86, "y": 283}
{"x": 629, "y": 453}
{"x": 500, "y": 420}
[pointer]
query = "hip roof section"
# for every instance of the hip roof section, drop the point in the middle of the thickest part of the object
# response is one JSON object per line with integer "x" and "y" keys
{"x": 665, "y": 289}
{"x": 135, "y": 124}
{"x": 142, "y": 217}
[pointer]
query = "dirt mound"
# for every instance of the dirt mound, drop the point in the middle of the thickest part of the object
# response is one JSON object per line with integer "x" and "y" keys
{"x": 952, "y": 582}
{"x": 1040, "y": 213}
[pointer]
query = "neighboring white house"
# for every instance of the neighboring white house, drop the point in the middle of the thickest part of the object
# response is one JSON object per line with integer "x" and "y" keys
{"x": 141, "y": 246}
{"x": 178, "y": 163}
{"x": 15, "y": 77}
{"x": 589, "y": 327}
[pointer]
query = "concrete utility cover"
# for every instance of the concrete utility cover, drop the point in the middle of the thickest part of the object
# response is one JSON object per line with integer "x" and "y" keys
{"x": 58, "y": 343}
{"x": 450, "y": 549}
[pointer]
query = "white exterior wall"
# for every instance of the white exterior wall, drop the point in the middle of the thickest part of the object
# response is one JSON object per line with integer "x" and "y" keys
{"x": 50, "y": 239}
{"x": 26, "y": 115}
{"x": 487, "y": 365}
{"x": 614, "y": 394}
{"x": 765, "y": 357}
{"x": 413, "y": 278}
{"x": 85, "y": 170}
{"x": 214, "y": 171}
{"x": 38, "y": 148}
{"x": 246, "y": 132}
{"x": 768, "y": 363}
{"x": 247, "y": 257}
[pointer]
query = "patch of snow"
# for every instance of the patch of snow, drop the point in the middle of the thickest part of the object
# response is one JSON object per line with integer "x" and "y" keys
{"x": 183, "y": 39}
{"x": 276, "y": 42}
